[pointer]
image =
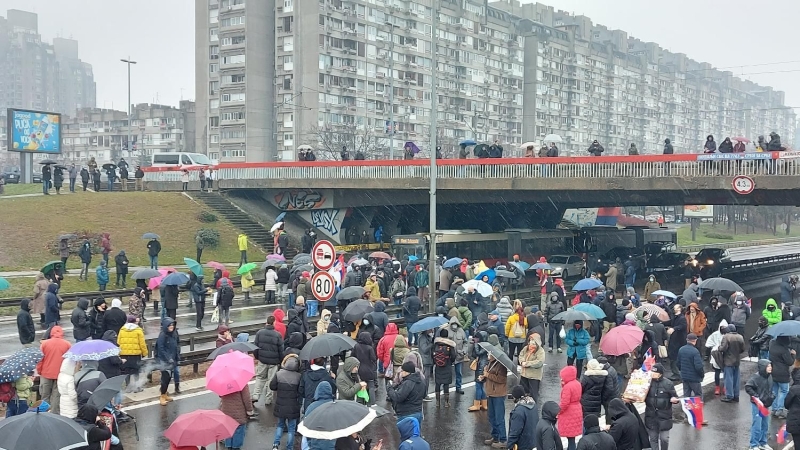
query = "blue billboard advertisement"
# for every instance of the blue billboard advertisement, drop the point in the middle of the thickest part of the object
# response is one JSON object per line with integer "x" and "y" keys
{"x": 34, "y": 131}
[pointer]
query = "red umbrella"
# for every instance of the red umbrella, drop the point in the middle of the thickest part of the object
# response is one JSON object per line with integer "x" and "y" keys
{"x": 741, "y": 139}
{"x": 380, "y": 255}
{"x": 621, "y": 339}
{"x": 216, "y": 265}
{"x": 201, "y": 427}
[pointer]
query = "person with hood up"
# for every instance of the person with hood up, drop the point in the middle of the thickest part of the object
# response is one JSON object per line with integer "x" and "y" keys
{"x": 322, "y": 395}
{"x": 101, "y": 273}
{"x": 710, "y": 145}
{"x": 137, "y": 303}
{"x": 726, "y": 146}
{"x": 677, "y": 338}
{"x": 379, "y": 317}
{"x": 531, "y": 358}
{"x": 132, "y": 348}
{"x": 651, "y": 286}
{"x": 629, "y": 275}
{"x": 782, "y": 358}
{"x": 97, "y": 318}
{"x": 760, "y": 341}
{"x": 731, "y": 349}
{"x": 312, "y": 377}
{"x": 121, "y": 262}
{"x": 516, "y": 329}
{"x": 480, "y": 358}
{"x": 270, "y": 286}
{"x": 792, "y": 403}
{"x": 384, "y": 347}
{"x": 411, "y": 307}
{"x": 495, "y": 324}
{"x": 280, "y": 327}
{"x": 367, "y": 363}
{"x": 199, "y": 292}
{"x": 68, "y": 399}
{"x": 459, "y": 337}
{"x": 788, "y": 288}
{"x": 593, "y": 437}
{"x": 22, "y": 396}
{"x": 696, "y": 322}
{"x": 225, "y": 301}
{"x": 115, "y": 318}
{"x": 546, "y": 434}
{"x": 52, "y": 313}
{"x": 50, "y": 366}
{"x": 348, "y": 383}
{"x": 535, "y": 323}
{"x": 717, "y": 311}
{"x": 495, "y": 377}
{"x": 87, "y": 378}
{"x": 772, "y": 312}
{"x": 577, "y": 339}
{"x": 570, "y": 417}
{"x": 425, "y": 349}
{"x": 444, "y": 356}
{"x": 270, "y": 351}
{"x": 595, "y": 150}
{"x": 523, "y": 421}
{"x": 372, "y": 288}
{"x": 658, "y": 408}
{"x": 596, "y": 388}
{"x": 167, "y": 354}
{"x": 505, "y": 309}
{"x": 759, "y": 386}
{"x": 410, "y": 435}
{"x": 224, "y": 336}
{"x": 741, "y": 312}
{"x": 624, "y": 426}
{"x": 397, "y": 355}
{"x": 293, "y": 343}
{"x": 712, "y": 344}
{"x": 368, "y": 325}
{"x": 295, "y": 325}
{"x": 84, "y": 178}
{"x": 406, "y": 397}
{"x": 88, "y": 417}
{"x": 554, "y": 307}
{"x": 25, "y": 327}
{"x": 285, "y": 384}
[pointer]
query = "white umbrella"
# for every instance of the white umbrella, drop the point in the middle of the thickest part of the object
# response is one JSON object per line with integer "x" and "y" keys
{"x": 552, "y": 138}
{"x": 305, "y": 147}
{"x": 527, "y": 144}
{"x": 483, "y": 289}
{"x": 275, "y": 227}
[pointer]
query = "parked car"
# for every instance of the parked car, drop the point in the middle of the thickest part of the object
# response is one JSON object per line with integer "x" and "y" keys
{"x": 711, "y": 261}
{"x": 11, "y": 175}
{"x": 655, "y": 248}
{"x": 623, "y": 253}
{"x": 668, "y": 265}
{"x": 565, "y": 266}
{"x": 36, "y": 178}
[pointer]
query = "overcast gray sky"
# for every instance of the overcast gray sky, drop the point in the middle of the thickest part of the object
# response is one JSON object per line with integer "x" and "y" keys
{"x": 159, "y": 34}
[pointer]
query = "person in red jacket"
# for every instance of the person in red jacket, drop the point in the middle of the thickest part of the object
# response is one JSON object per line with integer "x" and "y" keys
{"x": 570, "y": 419}
{"x": 384, "y": 348}
{"x": 280, "y": 327}
{"x": 226, "y": 275}
{"x": 49, "y": 367}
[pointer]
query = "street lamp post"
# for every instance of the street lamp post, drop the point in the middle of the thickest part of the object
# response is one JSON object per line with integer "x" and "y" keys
{"x": 391, "y": 90}
{"x": 129, "y": 62}
{"x": 432, "y": 149}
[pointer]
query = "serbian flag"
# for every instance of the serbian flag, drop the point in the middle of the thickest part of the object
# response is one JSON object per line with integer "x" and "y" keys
{"x": 693, "y": 407}
{"x": 763, "y": 411}
{"x": 649, "y": 360}
{"x": 782, "y": 434}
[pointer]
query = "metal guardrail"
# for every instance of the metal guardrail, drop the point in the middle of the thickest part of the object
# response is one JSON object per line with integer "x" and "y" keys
{"x": 737, "y": 244}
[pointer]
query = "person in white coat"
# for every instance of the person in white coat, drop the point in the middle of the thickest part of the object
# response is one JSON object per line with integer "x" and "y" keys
{"x": 713, "y": 342}
{"x": 68, "y": 404}
{"x": 270, "y": 285}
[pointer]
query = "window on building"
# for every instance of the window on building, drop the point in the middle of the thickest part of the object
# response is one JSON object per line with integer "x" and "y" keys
{"x": 213, "y": 15}
{"x": 288, "y": 5}
{"x": 234, "y": 115}
{"x": 213, "y": 67}
{"x": 231, "y": 21}
{"x": 213, "y": 122}
{"x": 288, "y": 43}
{"x": 288, "y": 62}
{"x": 213, "y": 87}
{"x": 237, "y": 79}
{"x": 213, "y": 103}
{"x": 233, "y": 97}
{"x": 214, "y": 139}
{"x": 233, "y": 59}
{"x": 213, "y": 52}
{"x": 212, "y": 33}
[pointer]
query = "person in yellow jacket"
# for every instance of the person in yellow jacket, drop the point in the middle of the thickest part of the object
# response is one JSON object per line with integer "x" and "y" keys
{"x": 132, "y": 348}
{"x": 243, "y": 248}
{"x": 372, "y": 287}
{"x": 247, "y": 283}
{"x": 516, "y": 329}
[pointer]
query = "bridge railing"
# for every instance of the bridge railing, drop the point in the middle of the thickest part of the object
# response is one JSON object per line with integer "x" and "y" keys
{"x": 650, "y": 166}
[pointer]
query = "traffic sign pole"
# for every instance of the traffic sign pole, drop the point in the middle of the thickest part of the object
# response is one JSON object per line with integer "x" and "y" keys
{"x": 323, "y": 286}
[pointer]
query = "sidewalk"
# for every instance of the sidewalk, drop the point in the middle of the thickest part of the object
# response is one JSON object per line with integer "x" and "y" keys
{"x": 77, "y": 272}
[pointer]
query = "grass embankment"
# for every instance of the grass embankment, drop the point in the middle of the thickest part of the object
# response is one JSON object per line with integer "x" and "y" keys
{"x": 709, "y": 234}
{"x": 19, "y": 189}
{"x": 30, "y": 225}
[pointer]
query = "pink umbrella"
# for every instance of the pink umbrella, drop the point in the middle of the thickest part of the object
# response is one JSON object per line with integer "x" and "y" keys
{"x": 230, "y": 373}
{"x": 216, "y": 265}
{"x": 741, "y": 139}
{"x": 276, "y": 256}
{"x": 621, "y": 339}
{"x": 201, "y": 427}
{"x": 154, "y": 283}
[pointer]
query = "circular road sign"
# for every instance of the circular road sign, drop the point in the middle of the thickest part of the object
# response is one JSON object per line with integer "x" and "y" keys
{"x": 323, "y": 255}
{"x": 743, "y": 185}
{"x": 323, "y": 286}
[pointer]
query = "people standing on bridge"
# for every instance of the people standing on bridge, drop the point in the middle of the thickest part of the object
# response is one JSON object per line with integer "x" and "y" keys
{"x": 726, "y": 146}
{"x": 185, "y": 180}
{"x": 710, "y": 145}
{"x": 595, "y": 150}
{"x": 201, "y": 173}
{"x": 211, "y": 175}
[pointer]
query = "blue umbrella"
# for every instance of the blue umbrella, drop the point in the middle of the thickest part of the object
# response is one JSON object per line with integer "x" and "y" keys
{"x": 194, "y": 266}
{"x": 467, "y": 142}
{"x": 590, "y": 309}
{"x": 664, "y": 293}
{"x": 93, "y": 350}
{"x": 542, "y": 266}
{"x": 280, "y": 217}
{"x": 19, "y": 364}
{"x": 489, "y": 273}
{"x": 522, "y": 265}
{"x": 785, "y": 328}
{"x": 452, "y": 262}
{"x": 428, "y": 323}
{"x": 586, "y": 284}
{"x": 412, "y": 258}
{"x": 175, "y": 279}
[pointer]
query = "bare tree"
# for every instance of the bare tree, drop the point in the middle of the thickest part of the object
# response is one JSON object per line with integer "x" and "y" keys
{"x": 327, "y": 142}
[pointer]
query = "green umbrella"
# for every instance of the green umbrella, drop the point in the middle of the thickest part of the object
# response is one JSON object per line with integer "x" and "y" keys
{"x": 247, "y": 268}
{"x": 4, "y": 284}
{"x": 194, "y": 266}
{"x": 49, "y": 267}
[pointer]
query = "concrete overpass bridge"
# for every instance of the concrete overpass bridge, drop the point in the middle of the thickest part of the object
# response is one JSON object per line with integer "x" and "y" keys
{"x": 491, "y": 194}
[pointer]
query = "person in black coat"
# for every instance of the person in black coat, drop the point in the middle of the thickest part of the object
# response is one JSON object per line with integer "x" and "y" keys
{"x": 52, "y": 313}
{"x": 411, "y": 308}
{"x": 522, "y": 421}
{"x": 111, "y": 366}
{"x": 96, "y": 430}
{"x": 115, "y": 318}
{"x": 546, "y": 434}
{"x": 407, "y": 396}
{"x": 677, "y": 339}
{"x": 25, "y": 327}
{"x": 311, "y": 378}
{"x": 658, "y": 408}
{"x": 97, "y": 317}
{"x": 624, "y": 426}
{"x": 364, "y": 352}
{"x": 368, "y": 325}
{"x": 295, "y": 325}
{"x": 81, "y": 324}
{"x": 594, "y": 438}
{"x": 595, "y": 388}
{"x": 792, "y": 404}
{"x": 286, "y": 383}
{"x": 293, "y": 343}
{"x": 170, "y": 299}
{"x": 782, "y": 359}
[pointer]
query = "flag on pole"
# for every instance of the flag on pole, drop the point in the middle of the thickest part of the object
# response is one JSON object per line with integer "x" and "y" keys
{"x": 649, "y": 360}
{"x": 763, "y": 411}
{"x": 782, "y": 434}
{"x": 693, "y": 407}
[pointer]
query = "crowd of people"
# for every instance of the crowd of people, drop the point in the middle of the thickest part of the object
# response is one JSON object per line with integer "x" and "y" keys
{"x": 90, "y": 175}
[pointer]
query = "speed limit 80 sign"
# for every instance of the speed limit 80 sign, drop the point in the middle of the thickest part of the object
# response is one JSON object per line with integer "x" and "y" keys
{"x": 743, "y": 185}
{"x": 323, "y": 286}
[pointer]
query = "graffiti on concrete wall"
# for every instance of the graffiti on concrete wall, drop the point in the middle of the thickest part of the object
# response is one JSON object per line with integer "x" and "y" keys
{"x": 300, "y": 200}
{"x": 327, "y": 221}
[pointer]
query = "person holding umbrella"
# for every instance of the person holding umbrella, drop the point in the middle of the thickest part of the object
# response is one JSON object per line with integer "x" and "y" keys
{"x": 288, "y": 401}
{"x": 58, "y": 178}
{"x": 46, "y": 176}
{"x": 268, "y": 356}
{"x": 153, "y": 249}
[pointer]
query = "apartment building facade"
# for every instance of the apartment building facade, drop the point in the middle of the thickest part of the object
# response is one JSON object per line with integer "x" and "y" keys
{"x": 328, "y": 73}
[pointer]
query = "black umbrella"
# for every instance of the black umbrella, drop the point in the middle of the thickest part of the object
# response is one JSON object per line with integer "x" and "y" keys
{"x": 302, "y": 268}
{"x": 145, "y": 274}
{"x": 356, "y": 310}
{"x": 110, "y": 166}
{"x": 301, "y": 260}
{"x": 500, "y": 356}
{"x": 244, "y": 347}
{"x": 47, "y": 162}
{"x": 480, "y": 148}
{"x": 106, "y": 391}
{"x": 271, "y": 263}
{"x": 41, "y": 431}
{"x": 350, "y": 293}
{"x": 328, "y": 344}
{"x": 59, "y": 166}
{"x": 336, "y": 419}
{"x": 300, "y": 255}
{"x": 721, "y": 284}
{"x": 150, "y": 236}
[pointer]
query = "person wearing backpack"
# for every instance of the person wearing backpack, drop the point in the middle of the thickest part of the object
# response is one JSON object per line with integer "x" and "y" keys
{"x": 516, "y": 329}
{"x": 15, "y": 395}
{"x": 225, "y": 301}
{"x": 759, "y": 387}
{"x": 444, "y": 356}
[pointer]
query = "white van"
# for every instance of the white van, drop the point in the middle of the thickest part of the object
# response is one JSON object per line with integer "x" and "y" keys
{"x": 180, "y": 159}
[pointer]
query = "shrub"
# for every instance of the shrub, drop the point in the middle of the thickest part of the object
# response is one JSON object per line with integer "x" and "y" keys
{"x": 209, "y": 236}
{"x": 76, "y": 242}
{"x": 724, "y": 237}
{"x": 206, "y": 217}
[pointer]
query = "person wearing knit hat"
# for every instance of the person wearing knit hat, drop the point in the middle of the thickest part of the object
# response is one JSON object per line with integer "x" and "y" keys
{"x": 522, "y": 421}
{"x": 593, "y": 436}
{"x": 444, "y": 356}
{"x": 408, "y": 394}
{"x": 658, "y": 408}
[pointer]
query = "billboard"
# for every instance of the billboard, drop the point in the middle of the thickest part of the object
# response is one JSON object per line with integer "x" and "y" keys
{"x": 33, "y": 131}
{"x": 698, "y": 211}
